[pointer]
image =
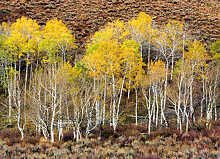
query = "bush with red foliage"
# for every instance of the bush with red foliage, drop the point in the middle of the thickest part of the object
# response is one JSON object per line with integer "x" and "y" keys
{"x": 12, "y": 141}
{"x": 68, "y": 136}
{"x": 151, "y": 157}
{"x": 9, "y": 133}
{"x": 32, "y": 140}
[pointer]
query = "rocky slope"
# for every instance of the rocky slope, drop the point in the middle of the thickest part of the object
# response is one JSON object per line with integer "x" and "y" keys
{"x": 84, "y": 17}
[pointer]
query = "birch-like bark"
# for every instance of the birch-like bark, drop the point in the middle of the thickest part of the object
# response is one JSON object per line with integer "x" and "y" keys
{"x": 179, "y": 122}
{"x": 136, "y": 106}
{"x": 104, "y": 102}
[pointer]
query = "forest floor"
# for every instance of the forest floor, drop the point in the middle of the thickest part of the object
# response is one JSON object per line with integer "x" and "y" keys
{"x": 129, "y": 142}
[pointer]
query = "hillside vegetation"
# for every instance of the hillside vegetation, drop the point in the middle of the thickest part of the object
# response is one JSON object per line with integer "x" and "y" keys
{"x": 138, "y": 85}
{"x": 84, "y": 18}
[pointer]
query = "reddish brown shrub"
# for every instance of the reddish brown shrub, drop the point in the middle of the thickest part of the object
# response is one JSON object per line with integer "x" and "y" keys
{"x": 31, "y": 140}
{"x": 57, "y": 144}
{"x": 165, "y": 132}
{"x": 10, "y": 133}
{"x": 44, "y": 147}
{"x": 190, "y": 136}
{"x": 12, "y": 141}
{"x": 131, "y": 130}
{"x": 68, "y": 135}
{"x": 216, "y": 123}
{"x": 151, "y": 157}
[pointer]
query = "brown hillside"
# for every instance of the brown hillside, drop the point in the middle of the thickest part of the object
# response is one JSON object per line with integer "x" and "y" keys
{"x": 84, "y": 17}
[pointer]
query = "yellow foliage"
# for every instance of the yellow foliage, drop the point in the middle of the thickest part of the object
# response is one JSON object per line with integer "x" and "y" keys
{"x": 196, "y": 54}
{"x": 21, "y": 37}
{"x": 43, "y": 140}
{"x": 56, "y": 38}
{"x": 174, "y": 31}
{"x": 157, "y": 71}
{"x": 110, "y": 54}
{"x": 56, "y": 31}
{"x": 194, "y": 61}
{"x": 140, "y": 27}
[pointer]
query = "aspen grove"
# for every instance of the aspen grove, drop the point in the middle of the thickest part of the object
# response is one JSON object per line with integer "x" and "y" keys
{"x": 131, "y": 72}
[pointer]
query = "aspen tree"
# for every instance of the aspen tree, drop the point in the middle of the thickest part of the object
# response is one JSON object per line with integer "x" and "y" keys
{"x": 82, "y": 98}
{"x": 5, "y": 64}
{"x": 19, "y": 44}
{"x": 141, "y": 31}
{"x": 152, "y": 88}
{"x": 57, "y": 39}
{"x": 188, "y": 71}
{"x": 113, "y": 57}
{"x": 160, "y": 40}
{"x": 210, "y": 77}
{"x": 47, "y": 96}
{"x": 27, "y": 30}
{"x": 174, "y": 31}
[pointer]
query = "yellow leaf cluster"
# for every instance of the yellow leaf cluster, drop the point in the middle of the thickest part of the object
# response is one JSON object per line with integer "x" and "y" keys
{"x": 26, "y": 39}
{"x": 157, "y": 71}
{"x": 56, "y": 37}
{"x": 57, "y": 32}
{"x": 174, "y": 32}
{"x": 23, "y": 35}
{"x": 196, "y": 54}
{"x": 110, "y": 53}
{"x": 194, "y": 61}
{"x": 140, "y": 27}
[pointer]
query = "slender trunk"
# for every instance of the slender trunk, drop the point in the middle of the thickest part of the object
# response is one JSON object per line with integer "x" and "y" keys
{"x": 114, "y": 104}
{"x": 111, "y": 111}
{"x": 119, "y": 100}
{"x": 203, "y": 98}
{"x": 17, "y": 102}
{"x": 187, "y": 123}
{"x": 149, "y": 110}
{"x": 105, "y": 91}
{"x": 10, "y": 100}
{"x": 191, "y": 103}
{"x": 136, "y": 106}
{"x": 214, "y": 93}
{"x": 157, "y": 107}
{"x": 165, "y": 93}
{"x": 25, "y": 83}
{"x": 179, "y": 103}
{"x": 97, "y": 112}
{"x": 54, "y": 104}
{"x": 172, "y": 60}
{"x": 149, "y": 50}
{"x": 60, "y": 122}
{"x": 52, "y": 123}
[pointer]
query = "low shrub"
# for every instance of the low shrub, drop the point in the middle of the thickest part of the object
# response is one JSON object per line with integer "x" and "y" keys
{"x": 9, "y": 133}
{"x": 151, "y": 157}
{"x": 12, "y": 141}
{"x": 31, "y": 140}
{"x": 68, "y": 136}
{"x": 44, "y": 147}
{"x": 69, "y": 145}
{"x": 107, "y": 132}
{"x": 57, "y": 144}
